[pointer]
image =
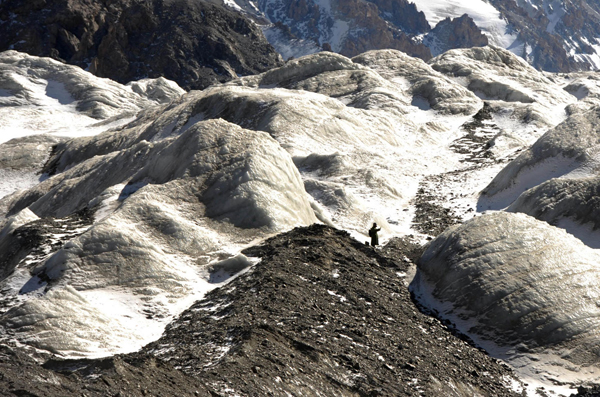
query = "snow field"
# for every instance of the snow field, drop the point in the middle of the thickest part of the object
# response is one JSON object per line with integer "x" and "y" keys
{"x": 156, "y": 244}
{"x": 41, "y": 95}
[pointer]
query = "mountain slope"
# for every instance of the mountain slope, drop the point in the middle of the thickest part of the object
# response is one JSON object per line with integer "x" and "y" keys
{"x": 193, "y": 43}
{"x": 552, "y": 35}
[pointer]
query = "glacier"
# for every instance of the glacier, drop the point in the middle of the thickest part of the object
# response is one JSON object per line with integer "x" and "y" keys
{"x": 143, "y": 201}
{"x": 556, "y": 179}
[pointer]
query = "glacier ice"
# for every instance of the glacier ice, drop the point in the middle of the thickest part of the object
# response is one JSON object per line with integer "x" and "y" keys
{"x": 43, "y": 95}
{"x": 441, "y": 94}
{"x": 570, "y": 203}
{"x": 497, "y": 74}
{"x": 177, "y": 191}
{"x": 215, "y": 185}
{"x": 512, "y": 281}
{"x": 567, "y": 151}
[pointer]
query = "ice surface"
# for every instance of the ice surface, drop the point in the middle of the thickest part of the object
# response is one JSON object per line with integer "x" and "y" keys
{"x": 426, "y": 84}
{"x": 41, "y": 95}
{"x": 569, "y": 151}
{"x": 497, "y": 74}
{"x": 214, "y": 187}
{"x": 518, "y": 284}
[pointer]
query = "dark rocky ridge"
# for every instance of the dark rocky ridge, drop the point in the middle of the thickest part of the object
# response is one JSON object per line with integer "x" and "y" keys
{"x": 320, "y": 314}
{"x": 191, "y": 42}
{"x": 377, "y": 24}
{"x": 453, "y": 33}
{"x": 579, "y": 27}
{"x": 403, "y": 14}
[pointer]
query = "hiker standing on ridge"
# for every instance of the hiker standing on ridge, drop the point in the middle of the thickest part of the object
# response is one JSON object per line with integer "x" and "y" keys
{"x": 373, "y": 234}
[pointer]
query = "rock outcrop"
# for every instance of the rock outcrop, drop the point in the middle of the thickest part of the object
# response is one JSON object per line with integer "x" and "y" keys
{"x": 559, "y": 38}
{"x": 352, "y": 27}
{"x": 193, "y": 43}
{"x": 455, "y": 33}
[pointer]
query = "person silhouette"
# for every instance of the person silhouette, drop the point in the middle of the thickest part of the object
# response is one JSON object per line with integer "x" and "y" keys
{"x": 373, "y": 234}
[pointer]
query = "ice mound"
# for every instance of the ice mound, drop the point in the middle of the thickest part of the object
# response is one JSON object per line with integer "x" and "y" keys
{"x": 440, "y": 92}
{"x": 493, "y": 73}
{"x": 303, "y": 123}
{"x": 356, "y": 116}
{"x": 585, "y": 86}
{"x": 22, "y": 160}
{"x": 43, "y": 95}
{"x": 239, "y": 170}
{"x": 570, "y": 203}
{"x": 510, "y": 280}
{"x": 54, "y": 323}
{"x": 568, "y": 151}
{"x": 302, "y": 68}
{"x": 179, "y": 202}
{"x": 142, "y": 216}
{"x": 367, "y": 79}
{"x": 159, "y": 90}
{"x": 335, "y": 76}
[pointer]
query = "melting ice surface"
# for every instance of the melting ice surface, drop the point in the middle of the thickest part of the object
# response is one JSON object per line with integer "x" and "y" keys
{"x": 177, "y": 192}
{"x": 526, "y": 291}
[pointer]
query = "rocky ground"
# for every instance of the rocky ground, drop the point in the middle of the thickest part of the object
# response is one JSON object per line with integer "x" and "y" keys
{"x": 320, "y": 314}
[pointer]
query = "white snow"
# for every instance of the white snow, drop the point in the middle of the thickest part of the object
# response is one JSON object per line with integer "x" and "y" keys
{"x": 554, "y": 11}
{"x": 232, "y": 4}
{"x": 38, "y": 95}
{"x": 154, "y": 250}
{"x": 486, "y": 17}
{"x": 15, "y": 180}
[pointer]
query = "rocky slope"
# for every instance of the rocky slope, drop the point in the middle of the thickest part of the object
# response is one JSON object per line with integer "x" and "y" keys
{"x": 560, "y": 36}
{"x": 320, "y": 314}
{"x": 552, "y": 35}
{"x": 351, "y": 28}
{"x": 193, "y": 43}
{"x": 454, "y": 33}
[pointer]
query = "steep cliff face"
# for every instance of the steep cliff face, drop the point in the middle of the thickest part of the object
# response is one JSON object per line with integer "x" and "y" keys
{"x": 193, "y": 43}
{"x": 554, "y": 35}
{"x": 403, "y": 14}
{"x": 455, "y": 33}
{"x": 352, "y": 27}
